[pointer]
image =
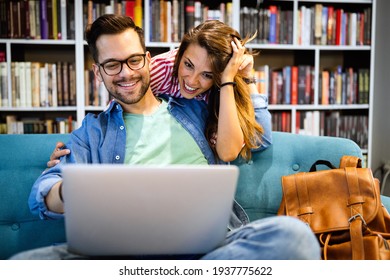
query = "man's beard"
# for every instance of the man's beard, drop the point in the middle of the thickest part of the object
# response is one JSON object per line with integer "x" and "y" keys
{"x": 132, "y": 97}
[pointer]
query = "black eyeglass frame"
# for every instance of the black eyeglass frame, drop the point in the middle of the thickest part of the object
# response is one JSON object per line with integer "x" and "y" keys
{"x": 143, "y": 55}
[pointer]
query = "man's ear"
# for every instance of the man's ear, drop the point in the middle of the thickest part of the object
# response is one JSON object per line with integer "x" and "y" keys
{"x": 96, "y": 71}
{"x": 148, "y": 58}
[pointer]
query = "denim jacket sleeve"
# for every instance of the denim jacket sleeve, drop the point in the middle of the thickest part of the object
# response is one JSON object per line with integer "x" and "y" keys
{"x": 100, "y": 139}
{"x": 263, "y": 117}
{"x": 47, "y": 179}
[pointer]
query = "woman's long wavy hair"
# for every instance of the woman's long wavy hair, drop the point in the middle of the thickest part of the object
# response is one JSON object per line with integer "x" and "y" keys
{"x": 215, "y": 37}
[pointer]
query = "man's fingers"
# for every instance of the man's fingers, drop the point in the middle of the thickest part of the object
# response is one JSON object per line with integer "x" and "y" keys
{"x": 52, "y": 163}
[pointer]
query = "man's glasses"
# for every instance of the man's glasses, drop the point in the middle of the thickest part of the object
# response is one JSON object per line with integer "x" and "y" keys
{"x": 114, "y": 67}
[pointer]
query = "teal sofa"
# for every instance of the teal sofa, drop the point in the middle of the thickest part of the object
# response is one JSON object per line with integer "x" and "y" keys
{"x": 24, "y": 157}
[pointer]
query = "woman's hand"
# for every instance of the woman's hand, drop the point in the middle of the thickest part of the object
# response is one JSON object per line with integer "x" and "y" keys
{"x": 237, "y": 61}
{"x": 246, "y": 67}
{"x": 240, "y": 63}
{"x": 56, "y": 154}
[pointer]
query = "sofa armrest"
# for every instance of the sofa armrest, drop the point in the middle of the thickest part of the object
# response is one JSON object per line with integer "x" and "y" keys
{"x": 22, "y": 159}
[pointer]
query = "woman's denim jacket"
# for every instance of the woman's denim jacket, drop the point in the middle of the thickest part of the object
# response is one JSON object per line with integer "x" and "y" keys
{"x": 102, "y": 139}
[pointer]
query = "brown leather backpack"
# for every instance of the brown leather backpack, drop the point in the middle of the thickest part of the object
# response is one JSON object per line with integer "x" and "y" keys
{"x": 343, "y": 208}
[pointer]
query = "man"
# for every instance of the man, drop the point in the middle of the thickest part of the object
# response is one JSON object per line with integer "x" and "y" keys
{"x": 136, "y": 115}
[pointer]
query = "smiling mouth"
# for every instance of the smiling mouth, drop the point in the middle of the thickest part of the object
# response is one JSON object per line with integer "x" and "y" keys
{"x": 188, "y": 88}
{"x": 128, "y": 84}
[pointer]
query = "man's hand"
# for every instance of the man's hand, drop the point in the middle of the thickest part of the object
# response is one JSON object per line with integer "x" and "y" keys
{"x": 57, "y": 153}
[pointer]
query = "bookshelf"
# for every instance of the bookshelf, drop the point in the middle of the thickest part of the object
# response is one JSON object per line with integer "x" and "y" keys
{"x": 294, "y": 43}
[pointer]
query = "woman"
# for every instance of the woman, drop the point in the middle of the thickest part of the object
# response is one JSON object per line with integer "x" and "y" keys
{"x": 213, "y": 65}
{"x": 207, "y": 66}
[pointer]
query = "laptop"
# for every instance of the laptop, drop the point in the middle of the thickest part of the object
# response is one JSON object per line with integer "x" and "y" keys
{"x": 117, "y": 210}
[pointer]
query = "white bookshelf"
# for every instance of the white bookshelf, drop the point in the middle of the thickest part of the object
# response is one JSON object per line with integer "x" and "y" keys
{"x": 376, "y": 151}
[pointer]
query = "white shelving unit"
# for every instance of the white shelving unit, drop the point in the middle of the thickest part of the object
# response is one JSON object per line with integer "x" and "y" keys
{"x": 378, "y": 83}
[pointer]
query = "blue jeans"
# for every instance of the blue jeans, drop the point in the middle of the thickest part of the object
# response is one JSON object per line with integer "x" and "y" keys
{"x": 274, "y": 238}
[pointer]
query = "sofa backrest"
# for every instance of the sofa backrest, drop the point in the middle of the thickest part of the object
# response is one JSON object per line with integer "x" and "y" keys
{"x": 259, "y": 188}
{"x": 24, "y": 157}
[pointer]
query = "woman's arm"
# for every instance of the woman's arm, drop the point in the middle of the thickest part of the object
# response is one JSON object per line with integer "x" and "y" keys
{"x": 230, "y": 138}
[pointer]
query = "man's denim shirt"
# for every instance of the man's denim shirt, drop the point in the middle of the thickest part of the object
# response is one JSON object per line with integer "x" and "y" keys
{"x": 102, "y": 139}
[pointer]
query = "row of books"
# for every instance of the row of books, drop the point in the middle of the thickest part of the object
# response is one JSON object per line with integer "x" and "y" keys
{"x": 92, "y": 9}
{"x": 273, "y": 24}
{"x": 291, "y": 84}
{"x": 295, "y": 85}
{"x": 95, "y": 91}
{"x": 37, "y": 84}
{"x": 324, "y": 123}
{"x": 15, "y": 125}
{"x": 354, "y": 127}
{"x": 344, "y": 86}
{"x": 31, "y": 19}
{"x": 328, "y": 25}
{"x": 316, "y": 25}
{"x": 170, "y": 19}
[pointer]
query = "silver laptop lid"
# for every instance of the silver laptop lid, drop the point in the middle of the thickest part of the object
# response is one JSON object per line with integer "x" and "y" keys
{"x": 147, "y": 210}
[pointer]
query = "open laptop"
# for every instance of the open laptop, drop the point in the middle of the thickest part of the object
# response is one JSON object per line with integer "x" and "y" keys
{"x": 122, "y": 210}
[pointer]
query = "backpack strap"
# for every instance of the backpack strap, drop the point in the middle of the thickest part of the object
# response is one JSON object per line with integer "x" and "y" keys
{"x": 356, "y": 221}
{"x": 350, "y": 161}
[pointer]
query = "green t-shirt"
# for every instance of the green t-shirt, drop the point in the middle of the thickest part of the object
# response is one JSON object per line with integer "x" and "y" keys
{"x": 159, "y": 139}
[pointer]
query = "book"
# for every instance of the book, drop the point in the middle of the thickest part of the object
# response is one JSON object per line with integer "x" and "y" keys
{"x": 262, "y": 77}
{"x": 352, "y": 29}
{"x": 338, "y": 84}
{"x": 273, "y": 10}
{"x": 163, "y": 21}
{"x": 318, "y": 21}
{"x": 72, "y": 84}
{"x": 331, "y": 26}
{"x": 32, "y": 19}
{"x": 197, "y": 13}
{"x": 37, "y": 5}
{"x": 27, "y": 65}
{"x": 54, "y": 89}
{"x": 65, "y": 83}
{"x": 86, "y": 87}
{"x": 287, "y": 85}
{"x": 22, "y": 84}
{"x": 175, "y": 21}
{"x": 43, "y": 85}
{"x": 273, "y": 98}
{"x": 4, "y": 84}
{"x": 129, "y": 8}
{"x": 339, "y": 26}
{"x": 294, "y": 85}
{"x": 324, "y": 25}
{"x": 15, "y": 84}
{"x": 189, "y": 14}
{"x": 55, "y": 20}
{"x": 138, "y": 13}
{"x": 44, "y": 23}
{"x": 12, "y": 126}
{"x": 60, "y": 94}
{"x": 301, "y": 84}
{"x": 325, "y": 88}
{"x": 35, "y": 84}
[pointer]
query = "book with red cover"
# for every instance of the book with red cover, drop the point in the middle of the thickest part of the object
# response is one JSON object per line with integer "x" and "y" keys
{"x": 294, "y": 85}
